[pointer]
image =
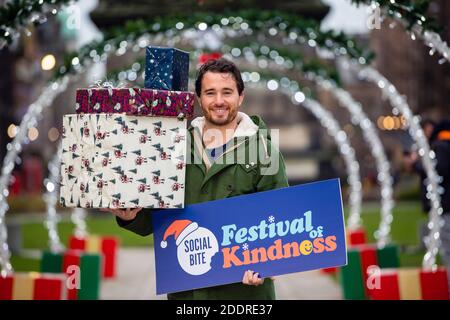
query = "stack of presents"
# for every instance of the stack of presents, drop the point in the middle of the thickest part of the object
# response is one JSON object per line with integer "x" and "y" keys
{"x": 374, "y": 272}
{"x": 124, "y": 148}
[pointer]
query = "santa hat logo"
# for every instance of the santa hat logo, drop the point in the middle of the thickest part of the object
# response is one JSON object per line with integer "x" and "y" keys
{"x": 180, "y": 229}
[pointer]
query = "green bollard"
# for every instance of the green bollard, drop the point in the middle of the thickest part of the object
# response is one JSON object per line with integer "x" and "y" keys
{"x": 91, "y": 270}
{"x": 351, "y": 277}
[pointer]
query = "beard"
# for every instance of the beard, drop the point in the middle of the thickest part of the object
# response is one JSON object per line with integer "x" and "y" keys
{"x": 222, "y": 121}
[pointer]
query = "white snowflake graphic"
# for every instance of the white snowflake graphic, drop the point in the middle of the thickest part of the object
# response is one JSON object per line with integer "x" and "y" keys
{"x": 245, "y": 246}
{"x": 271, "y": 219}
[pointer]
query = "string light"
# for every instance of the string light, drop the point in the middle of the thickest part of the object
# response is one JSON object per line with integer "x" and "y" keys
{"x": 434, "y": 41}
{"x": 34, "y": 113}
{"x": 48, "y": 62}
{"x": 391, "y": 122}
{"x": 12, "y": 130}
{"x": 51, "y": 198}
{"x": 78, "y": 218}
{"x": 382, "y": 234}
{"x": 414, "y": 21}
{"x": 24, "y": 14}
{"x": 427, "y": 157}
{"x": 33, "y": 134}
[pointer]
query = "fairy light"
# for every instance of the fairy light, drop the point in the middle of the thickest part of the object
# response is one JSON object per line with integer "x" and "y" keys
{"x": 382, "y": 234}
{"x": 33, "y": 133}
{"x": 429, "y": 37}
{"x": 426, "y": 155}
{"x": 12, "y": 130}
{"x": 51, "y": 198}
{"x": 26, "y": 16}
{"x": 30, "y": 119}
{"x": 434, "y": 41}
{"x": 48, "y": 62}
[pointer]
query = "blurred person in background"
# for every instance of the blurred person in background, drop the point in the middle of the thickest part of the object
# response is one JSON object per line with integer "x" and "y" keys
{"x": 413, "y": 163}
{"x": 440, "y": 144}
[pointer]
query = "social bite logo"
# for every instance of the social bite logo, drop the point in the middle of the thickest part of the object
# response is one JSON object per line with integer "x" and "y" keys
{"x": 195, "y": 246}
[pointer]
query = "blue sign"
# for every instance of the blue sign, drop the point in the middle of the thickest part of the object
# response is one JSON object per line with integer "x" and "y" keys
{"x": 273, "y": 232}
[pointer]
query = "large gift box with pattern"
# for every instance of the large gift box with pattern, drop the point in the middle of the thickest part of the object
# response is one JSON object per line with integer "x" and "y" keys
{"x": 123, "y": 161}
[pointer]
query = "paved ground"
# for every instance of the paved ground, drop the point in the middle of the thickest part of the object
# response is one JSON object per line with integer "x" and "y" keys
{"x": 136, "y": 280}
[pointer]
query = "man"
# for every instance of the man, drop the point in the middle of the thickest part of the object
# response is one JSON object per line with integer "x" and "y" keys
{"x": 220, "y": 144}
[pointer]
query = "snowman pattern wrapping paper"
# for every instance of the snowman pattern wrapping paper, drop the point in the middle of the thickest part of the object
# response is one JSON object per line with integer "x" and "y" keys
{"x": 122, "y": 161}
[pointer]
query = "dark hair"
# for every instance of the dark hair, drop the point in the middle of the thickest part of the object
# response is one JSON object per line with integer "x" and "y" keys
{"x": 219, "y": 66}
{"x": 427, "y": 121}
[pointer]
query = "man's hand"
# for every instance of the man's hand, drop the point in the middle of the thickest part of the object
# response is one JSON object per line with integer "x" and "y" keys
{"x": 125, "y": 214}
{"x": 251, "y": 278}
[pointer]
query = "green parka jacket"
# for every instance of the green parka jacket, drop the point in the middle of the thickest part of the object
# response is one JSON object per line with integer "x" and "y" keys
{"x": 234, "y": 173}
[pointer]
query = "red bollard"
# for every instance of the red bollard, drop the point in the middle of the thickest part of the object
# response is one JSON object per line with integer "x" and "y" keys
{"x": 109, "y": 249}
{"x": 356, "y": 237}
{"x": 71, "y": 258}
{"x": 387, "y": 287}
{"x": 6, "y": 287}
{"x": 434, "y": 284}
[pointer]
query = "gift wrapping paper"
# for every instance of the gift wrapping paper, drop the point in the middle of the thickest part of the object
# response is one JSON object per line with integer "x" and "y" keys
{"x": 135, "y": 101}
{"x": 122, "y": 161}
{"x": 166, "y": 69}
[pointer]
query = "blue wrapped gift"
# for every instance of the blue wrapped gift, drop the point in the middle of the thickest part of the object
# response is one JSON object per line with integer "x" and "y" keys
{"x": 167, "y": 69}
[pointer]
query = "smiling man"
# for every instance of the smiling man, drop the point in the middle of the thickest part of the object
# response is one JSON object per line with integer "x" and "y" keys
{"x": 231, "y": 154}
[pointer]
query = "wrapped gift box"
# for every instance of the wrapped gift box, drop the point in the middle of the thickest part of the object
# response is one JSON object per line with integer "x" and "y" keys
{"x": 411, "y": 284}
{"x": 121, "y": 161}
{"x": 90, "y": 268}
{"x": 106, "y": 245}
{"x": 354, "y": 275}
{"x": 166, "y": 69}
{"x": 354, "y": 237}
{"x": 135, "y": 101}
{"x": 33, "y": 286}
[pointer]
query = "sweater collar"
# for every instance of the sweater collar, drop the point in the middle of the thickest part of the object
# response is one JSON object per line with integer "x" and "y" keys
{"x": 246, "y": 127}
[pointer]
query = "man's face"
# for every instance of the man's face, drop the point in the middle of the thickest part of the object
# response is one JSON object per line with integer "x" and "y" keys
{"x": 219, "y": 98}
{"x": 428, "y": 130}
